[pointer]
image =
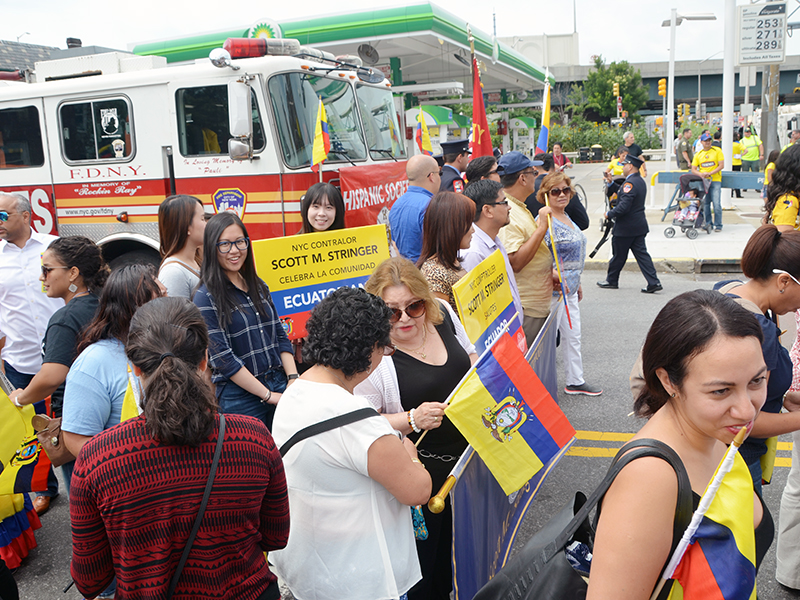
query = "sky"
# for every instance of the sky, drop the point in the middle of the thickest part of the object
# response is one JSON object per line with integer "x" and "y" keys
{"x": 616, "y": 29}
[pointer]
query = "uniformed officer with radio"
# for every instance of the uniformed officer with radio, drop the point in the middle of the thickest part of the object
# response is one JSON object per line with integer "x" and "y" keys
{"x": 456, "y": 157}
{"x": 630, "y": 229}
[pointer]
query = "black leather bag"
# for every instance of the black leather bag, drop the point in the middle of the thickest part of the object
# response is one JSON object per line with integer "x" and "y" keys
{"x": 541, "y": 570}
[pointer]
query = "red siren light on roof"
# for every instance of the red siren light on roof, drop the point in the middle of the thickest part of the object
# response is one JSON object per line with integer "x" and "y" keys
{"x": 254, "y": 47}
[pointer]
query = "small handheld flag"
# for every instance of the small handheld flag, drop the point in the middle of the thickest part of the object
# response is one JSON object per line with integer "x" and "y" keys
{"x": 322, "y": 141}
{"x": 423, "y": 138}
{"x": 544, "y": 134}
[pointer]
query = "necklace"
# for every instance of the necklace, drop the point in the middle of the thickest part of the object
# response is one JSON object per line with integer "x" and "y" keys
{"x": 332, "y": 372}
{"x": 419, "y": 350}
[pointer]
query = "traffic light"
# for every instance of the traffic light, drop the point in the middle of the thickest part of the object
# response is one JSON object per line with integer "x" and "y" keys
{"x": 616, "y": 90}
{"x": 662, "y": 87}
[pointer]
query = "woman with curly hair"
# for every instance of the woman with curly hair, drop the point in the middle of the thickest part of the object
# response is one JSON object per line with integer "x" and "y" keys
{"x": 350, "y": 488}
{"x": 783, "y": 194}
{"x": 447, "y": 229}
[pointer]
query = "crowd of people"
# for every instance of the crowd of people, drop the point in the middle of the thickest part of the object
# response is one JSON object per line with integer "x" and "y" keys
{"x": 243, "y": 435}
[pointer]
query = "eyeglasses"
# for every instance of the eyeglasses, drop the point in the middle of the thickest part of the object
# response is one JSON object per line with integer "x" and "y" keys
{"x": 389, "y": 350}
{"x": 782, "y": 272}
{"x": 46, "y": 270}
{"x": 4, "y": 214}
{"x": 414, "y": 310}
{"x": 556, "y": 192}
{"x": 225, "y": 247}
{"x": 501, "y": 203}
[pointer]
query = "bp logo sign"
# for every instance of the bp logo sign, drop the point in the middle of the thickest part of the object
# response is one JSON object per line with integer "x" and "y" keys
{"x": 266, "y": 28}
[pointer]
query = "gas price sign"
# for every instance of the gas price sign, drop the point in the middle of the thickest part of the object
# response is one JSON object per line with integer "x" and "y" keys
{"x": 762, "y": 33}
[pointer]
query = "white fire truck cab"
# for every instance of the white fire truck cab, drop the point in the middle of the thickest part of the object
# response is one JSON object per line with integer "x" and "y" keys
{"x": 97, "y": 142}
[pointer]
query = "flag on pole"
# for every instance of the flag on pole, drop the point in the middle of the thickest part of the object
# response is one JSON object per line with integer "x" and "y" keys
{"x": 720, "y": 563}
{"x": 423, "y": 138}
{"x": 544, "y": 134}
{"x": 24, "y": 466}
{"x": 322, "y": 141}
{"x": 480, "y": 143}
{"x": 507, "y": 415}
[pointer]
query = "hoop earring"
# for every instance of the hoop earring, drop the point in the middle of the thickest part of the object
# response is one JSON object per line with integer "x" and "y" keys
{"x": 72, "y": 288}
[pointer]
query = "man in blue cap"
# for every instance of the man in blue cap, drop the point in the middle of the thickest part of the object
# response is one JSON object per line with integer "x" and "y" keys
{"x": 456, "y": 157}
{"x": 630, "y": 229}
{"x": 523, "y": 240}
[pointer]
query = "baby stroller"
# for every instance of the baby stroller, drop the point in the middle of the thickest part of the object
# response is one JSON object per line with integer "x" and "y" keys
{"x": 689, "y": 213}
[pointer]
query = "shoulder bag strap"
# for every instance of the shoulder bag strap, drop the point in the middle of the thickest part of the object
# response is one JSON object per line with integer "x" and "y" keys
{"x": 327, "y": 425}
{"x": 181, "y": 263}
{"x": 203, "y": 504}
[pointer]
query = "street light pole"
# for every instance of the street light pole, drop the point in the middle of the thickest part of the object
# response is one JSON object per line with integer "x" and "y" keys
{"x": 673, "y": 22}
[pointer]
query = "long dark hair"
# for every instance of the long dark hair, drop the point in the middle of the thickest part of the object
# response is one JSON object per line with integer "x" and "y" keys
{"x": 448, "y": 219}
{"x": 127, "y": 289}
{"x": 175, "y": 216}
{"x": 315, "y": 195}
{"x": 785, "y": 178}
{"x": 769, "y": 249}
{"x": 82, "y": 253}
{"x": 214, "y": 278}
{"x": 168, "y": 341}
{"x": 681, "y": 331}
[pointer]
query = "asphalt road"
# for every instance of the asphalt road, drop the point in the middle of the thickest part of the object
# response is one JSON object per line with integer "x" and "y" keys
{"x": 614, "y": 325}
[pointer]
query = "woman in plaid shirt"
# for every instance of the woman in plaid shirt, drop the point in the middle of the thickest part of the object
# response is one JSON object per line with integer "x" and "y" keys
{"x": 249, "y": 353}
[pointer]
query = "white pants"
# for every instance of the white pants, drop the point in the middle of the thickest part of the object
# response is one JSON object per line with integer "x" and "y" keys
{"x": 571, "y": 339}
{"x": 788, "y": 549}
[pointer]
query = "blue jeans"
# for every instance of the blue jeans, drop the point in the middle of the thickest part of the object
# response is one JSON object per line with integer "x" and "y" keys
{"x": 235, "y": 400}
{"x": 21, "y": 380}
{"x": 714, "y": 195}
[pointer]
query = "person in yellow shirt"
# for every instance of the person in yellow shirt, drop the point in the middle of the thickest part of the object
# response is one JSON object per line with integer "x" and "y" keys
{"x": 793, "y": 137}
{"x": 708, "y": 164}
{"x": 783, "y": 194}
{"x": 753, "y": 151}
{"x": 736, "y": 163}
{"x": 768, "y": 170}
{"x": 614, "y": 169}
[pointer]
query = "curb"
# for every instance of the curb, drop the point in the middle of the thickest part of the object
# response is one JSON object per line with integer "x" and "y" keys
{"x": 676, "y": 265}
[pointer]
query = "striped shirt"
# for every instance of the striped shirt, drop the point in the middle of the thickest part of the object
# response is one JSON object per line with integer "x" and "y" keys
{"x": 248, "y": 341}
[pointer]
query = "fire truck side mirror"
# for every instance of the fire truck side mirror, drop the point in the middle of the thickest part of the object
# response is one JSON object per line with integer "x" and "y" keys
{"x": 240, "y": 146}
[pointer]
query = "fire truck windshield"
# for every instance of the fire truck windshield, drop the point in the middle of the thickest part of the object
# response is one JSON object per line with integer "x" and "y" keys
{"x": 380, "y": 122}
{"x": 295, "y": 102}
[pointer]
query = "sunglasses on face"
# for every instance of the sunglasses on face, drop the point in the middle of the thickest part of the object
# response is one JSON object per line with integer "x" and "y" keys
{"x": 556, "y": 192}
{"x": 4, "y": 214}
{"x": 414, "y": 310}
{"x": 46, "y": 270}
{"x": 501, "y": 203}
{"x": 225, "y": 247}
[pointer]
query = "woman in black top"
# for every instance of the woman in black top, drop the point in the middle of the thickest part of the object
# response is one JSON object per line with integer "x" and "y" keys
{"x": 410, "y": 388}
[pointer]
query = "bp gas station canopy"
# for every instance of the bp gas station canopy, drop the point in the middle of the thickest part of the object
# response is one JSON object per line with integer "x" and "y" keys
{"x": 420, "y": 45}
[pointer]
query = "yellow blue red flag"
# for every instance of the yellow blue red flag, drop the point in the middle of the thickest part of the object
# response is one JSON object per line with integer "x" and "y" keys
{"x": 24, "y": 466}
{"x": 720, "y": 562}
{"x": 544, "y": 134}
{"x": 322, "y": 141}
{"x": 423, "y": 137}
{"x": 506, "y": 414}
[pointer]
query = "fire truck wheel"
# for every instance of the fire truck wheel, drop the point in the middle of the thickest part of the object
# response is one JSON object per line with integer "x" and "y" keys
{"x": 135, "y": 257}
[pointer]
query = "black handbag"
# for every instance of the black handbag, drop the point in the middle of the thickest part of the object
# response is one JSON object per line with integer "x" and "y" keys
{"x": 541, "y": 570}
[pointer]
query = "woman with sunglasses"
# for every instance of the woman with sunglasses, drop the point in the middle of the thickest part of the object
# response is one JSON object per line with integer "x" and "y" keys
{"x": 350, "y": 488}
{"x": 250, "y": 354}
{"x": 446, "y": 230}
{"x": 570, "y": 246}
{"x": 410, "y": 388}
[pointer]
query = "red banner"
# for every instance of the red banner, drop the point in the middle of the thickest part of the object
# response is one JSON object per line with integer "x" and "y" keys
{"x": 370, "y": 191}
{"x": 480, "y": 142}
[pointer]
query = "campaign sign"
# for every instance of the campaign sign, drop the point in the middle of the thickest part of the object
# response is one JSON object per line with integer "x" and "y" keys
{"x": 301, "y": 270}
{"x": 485, "y": 304}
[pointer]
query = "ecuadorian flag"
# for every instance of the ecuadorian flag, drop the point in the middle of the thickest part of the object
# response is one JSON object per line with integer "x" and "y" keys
{"x": 24, "y": 466}
{"x": 322, "y": 141}
{"x": 544, "y": 134}
{"x": 508, "y": 417}
{"x": 720, "y": 562}
{"x": 422, "y": 136}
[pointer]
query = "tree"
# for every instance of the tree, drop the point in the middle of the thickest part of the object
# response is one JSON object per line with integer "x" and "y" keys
{"x": 600, "y": 85}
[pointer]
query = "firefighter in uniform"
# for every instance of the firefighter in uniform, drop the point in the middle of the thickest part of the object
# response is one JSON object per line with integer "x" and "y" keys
{"x": 456, "y": 157}
{"x": 630, "y": 229}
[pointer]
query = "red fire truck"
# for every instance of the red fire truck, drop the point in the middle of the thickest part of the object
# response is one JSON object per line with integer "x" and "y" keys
{"x": 97, "y": 142}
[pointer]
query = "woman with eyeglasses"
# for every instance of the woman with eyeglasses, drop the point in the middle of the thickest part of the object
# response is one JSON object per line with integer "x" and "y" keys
{"x": 446, "y": 230}
{"x": 250, "y": 355}
{"x": 570, "y": 246}
{"x": 350, "y": 488}
{"x": 410, "y": 388}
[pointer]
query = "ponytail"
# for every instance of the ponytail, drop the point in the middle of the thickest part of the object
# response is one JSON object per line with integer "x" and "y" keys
{"x": 167, "y": 341}
{"x": 768, "y": 249}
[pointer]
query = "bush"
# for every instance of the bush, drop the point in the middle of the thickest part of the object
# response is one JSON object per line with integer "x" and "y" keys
{"x": 587, "y": 134}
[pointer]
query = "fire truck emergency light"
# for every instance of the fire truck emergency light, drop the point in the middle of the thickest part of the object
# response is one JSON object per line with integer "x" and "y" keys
{"x": 254, "y": 47}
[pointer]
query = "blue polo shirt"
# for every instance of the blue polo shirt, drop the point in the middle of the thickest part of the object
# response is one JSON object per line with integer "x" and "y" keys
{"x": 405, "y": 220}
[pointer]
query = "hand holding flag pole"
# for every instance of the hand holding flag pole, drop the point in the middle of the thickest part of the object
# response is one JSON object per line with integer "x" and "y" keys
{"x": 469, "y": 372}
{"x": 558, "y": 264}
{"x": 708, "y": 496}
